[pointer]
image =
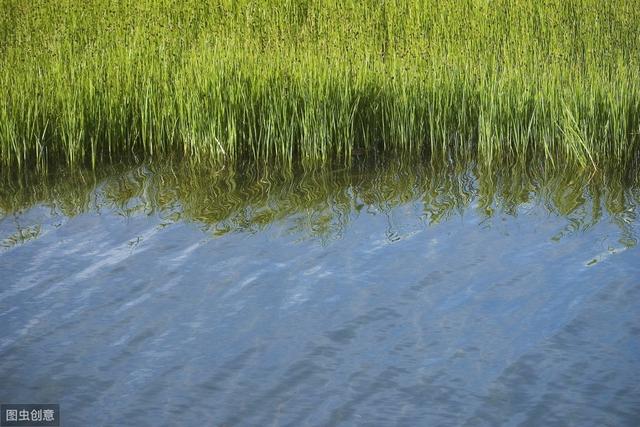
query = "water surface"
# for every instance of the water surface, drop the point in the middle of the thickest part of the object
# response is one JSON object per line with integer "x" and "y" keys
{"x": 384, "y": 296}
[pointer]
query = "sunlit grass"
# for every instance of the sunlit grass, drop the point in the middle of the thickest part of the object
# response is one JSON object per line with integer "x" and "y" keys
{"x": 316, "y": 82}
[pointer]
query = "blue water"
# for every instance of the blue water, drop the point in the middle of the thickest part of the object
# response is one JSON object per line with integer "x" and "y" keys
{"x": 520, "y": 318}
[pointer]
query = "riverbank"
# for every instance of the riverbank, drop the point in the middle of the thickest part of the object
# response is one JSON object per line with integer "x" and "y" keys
{"x": 319, "y": 82}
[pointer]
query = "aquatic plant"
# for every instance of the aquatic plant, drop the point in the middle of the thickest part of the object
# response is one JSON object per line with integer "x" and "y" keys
{"x": 317, "y": 82}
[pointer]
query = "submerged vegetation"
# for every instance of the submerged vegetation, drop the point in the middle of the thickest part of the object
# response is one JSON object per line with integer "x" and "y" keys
{"x": 313, "y": 82}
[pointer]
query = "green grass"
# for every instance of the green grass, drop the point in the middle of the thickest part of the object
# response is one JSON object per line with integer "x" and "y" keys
{"x": 317, "y": 82}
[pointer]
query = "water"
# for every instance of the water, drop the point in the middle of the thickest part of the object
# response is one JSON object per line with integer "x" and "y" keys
{"x": 391, "y": 297}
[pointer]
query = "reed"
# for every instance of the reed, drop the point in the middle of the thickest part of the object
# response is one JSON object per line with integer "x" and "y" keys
{"x": 317, "y": 82}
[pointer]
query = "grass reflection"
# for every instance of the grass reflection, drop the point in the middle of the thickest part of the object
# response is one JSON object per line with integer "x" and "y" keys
{"x": 321, "y": 204}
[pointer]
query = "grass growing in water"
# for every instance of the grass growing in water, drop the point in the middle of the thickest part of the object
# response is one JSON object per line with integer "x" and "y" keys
{"x": 282, "y": 82}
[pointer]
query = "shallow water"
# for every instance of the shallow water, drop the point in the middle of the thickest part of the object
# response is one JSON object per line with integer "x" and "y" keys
{"x": 412, "y": 297}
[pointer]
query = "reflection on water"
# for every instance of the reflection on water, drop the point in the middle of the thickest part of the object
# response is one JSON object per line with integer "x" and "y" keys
{"x": 398, "y": 294}
{"x": 321, "y": 205}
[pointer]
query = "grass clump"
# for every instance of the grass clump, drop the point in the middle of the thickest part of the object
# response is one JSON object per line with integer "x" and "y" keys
{"x": 312, "y": 82}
